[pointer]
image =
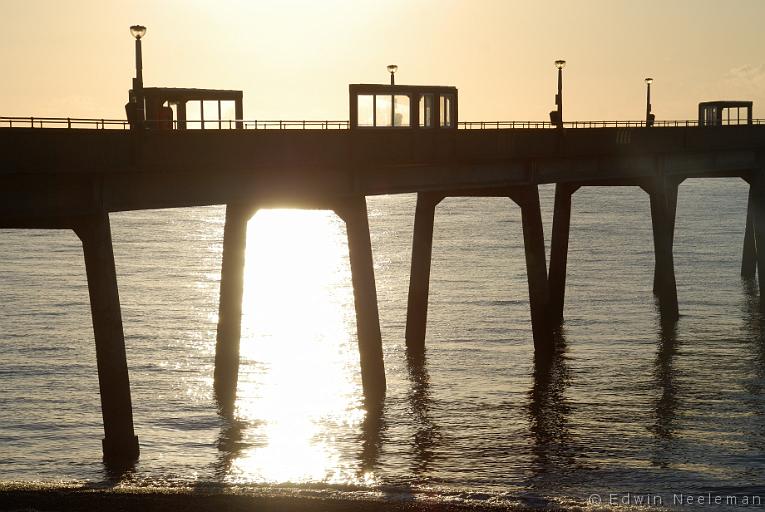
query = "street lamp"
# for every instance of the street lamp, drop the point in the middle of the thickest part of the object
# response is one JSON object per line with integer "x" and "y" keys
{"x": 649, "y": 117}
{"x": 557, "y": 116}
{"x": 392, "y": 68}
{"x": 138, "y": 31}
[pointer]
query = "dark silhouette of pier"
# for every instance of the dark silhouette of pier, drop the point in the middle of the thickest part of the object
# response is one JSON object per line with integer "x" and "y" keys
{"x": 64, "y": 174}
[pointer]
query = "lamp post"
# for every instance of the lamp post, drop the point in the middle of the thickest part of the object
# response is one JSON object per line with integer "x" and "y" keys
{"x": 649, "y": 117}
{"x": 560, "y": 64}
{"x": 392, "y": 68}
{"x": 138, "y": 31}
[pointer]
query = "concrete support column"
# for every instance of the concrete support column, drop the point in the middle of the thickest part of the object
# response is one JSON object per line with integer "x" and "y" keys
{"x": 663, "y": 200}
{"x": 120, "y": 442}
{"x": 230, "y": 307}
{"x": 419, "y": 278}
{"x": 757, "y": 194}
{"x": 559, "y": 250}
{"x": 749, "y": 256}
{"x": 536, "y": 267}
{"x": 354, "y": 212}
{"x": 671, "y": 195}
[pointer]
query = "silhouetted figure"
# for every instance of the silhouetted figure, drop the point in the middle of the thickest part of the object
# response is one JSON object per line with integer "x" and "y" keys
{"x": 555, "y": 118}
{"x": 131, "y": 114}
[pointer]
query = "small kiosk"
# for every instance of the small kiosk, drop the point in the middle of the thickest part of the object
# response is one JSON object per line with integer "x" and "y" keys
{"x": 166, "y": 108}
{"x": 395, "y": 107}
{"x": 718, "y": 113}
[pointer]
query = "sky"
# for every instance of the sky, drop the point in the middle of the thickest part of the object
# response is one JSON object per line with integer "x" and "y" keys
{"x": 294, "y": 59}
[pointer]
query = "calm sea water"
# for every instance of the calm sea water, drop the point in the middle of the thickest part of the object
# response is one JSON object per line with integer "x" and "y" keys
{"x": 628, "y": 406}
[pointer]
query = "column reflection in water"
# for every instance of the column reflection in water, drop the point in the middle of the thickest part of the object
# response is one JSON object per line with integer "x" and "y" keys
{"x": 427, "y": 435}
{"x": 667, "y": 402}
{"x": 754, "y": 322}
{"x": 299, "y": 405}
{"x": 555, "y": 450}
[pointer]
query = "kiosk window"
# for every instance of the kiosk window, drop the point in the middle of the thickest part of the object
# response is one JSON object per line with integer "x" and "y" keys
{"x": 384, "y": 113}
{"x": 426, "y": 111}
{"x": 383, "y": 110}
{"x": 366, "y": 110}
{"x": 447, "y": 103}
{"x": 401, "y": 110}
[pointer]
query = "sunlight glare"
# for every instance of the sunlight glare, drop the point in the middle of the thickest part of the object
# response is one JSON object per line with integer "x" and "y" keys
{"x": 299, "y": 384}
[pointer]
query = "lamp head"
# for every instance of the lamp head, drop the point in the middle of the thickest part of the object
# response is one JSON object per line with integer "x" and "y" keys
{"x": 560, "y": 64}
{"x": 392, "y": 68}
{"x": 137, "y": 31}
{"x": 649, "y": 80}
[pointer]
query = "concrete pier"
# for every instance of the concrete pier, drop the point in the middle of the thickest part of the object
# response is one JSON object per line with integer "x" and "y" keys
{"x": 353, "y": 211}
{"x": 749, "y": 256}
{"x": 559, "y": 250}
{"x": 527, "y": 198}
{"x": 663, "y": 196}
{"x": 120, "y": 442}
{"x": 419, "y": 279}
{"x": 230, "y": 307}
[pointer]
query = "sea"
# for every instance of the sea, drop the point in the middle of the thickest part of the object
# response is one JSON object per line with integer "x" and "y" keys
{"x": 631, "y": 411}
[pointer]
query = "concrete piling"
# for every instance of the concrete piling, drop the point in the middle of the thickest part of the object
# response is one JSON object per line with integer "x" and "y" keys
{"x": 120, "y": 442}
{"x": 671, "y": 190}
{"x": 663, "y": 197}
{"x": 559, "y": 250}
{"x": 527, "y": 198}
{"x": 419, "y": 279}
{"x": 353, "y": 211}
{"x": 749, "y": 256}
{"x": 230, "y": 307}
{"x": 757, "y": 195}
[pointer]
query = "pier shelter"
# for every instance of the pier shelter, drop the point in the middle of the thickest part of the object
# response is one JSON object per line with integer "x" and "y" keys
{"x": 379, "y": 106}
{"x": 718, "y": 113}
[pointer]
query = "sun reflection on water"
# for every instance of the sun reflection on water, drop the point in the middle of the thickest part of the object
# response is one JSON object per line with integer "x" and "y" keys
{"x": 299, "y": 391}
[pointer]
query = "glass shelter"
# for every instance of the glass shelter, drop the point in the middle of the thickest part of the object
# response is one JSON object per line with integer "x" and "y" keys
{"x": 718, "y": 113}
{"x": 374, "y": 106}
{"x": 169, "y": 108}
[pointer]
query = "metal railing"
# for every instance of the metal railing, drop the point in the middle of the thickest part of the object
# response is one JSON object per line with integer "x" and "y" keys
{"x": 62, "y": 122}
{"x": 231, "y": 124}
{"x": 296, "y": 125}
{"x": 122, "y": 124}
{"x": 488, "y": 125}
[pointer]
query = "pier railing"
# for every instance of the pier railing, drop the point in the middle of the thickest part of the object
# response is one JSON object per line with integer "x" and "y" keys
{"x": 62, "y": 122}
{"x": 123, "y": 124}
{"x": 488, "y": 125}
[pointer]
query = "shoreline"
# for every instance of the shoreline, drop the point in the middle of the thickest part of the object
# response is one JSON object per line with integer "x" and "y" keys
{"x": 47, "y": 497}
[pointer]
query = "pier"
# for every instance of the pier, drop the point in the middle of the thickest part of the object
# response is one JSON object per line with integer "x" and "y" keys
{"x": 72, "y": 178}
{"x": 68, "y": 173}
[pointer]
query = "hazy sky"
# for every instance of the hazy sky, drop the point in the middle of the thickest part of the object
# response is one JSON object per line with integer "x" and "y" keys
{"x": 295, "y": 58}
